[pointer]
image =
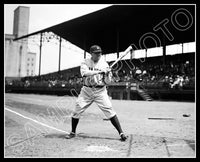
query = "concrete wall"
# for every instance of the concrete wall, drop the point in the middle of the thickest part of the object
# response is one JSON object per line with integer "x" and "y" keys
{"x": 15, "y": 58}
{"x": 11, "y": 58}
{"x": 16, "y": 51}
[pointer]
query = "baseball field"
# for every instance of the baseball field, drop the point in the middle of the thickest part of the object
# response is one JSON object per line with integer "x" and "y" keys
{"x": 35, "y": 126}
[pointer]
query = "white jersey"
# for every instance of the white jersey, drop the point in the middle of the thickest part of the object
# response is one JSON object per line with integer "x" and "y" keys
{"x": 89, "y": 65}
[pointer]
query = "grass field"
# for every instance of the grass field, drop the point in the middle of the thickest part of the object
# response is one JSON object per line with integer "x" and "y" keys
{"x": 35, "y": 126}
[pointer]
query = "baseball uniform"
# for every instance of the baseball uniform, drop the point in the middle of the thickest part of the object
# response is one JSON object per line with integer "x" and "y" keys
{"x": 95, "y": 76}
{"x": 94, "y": 89}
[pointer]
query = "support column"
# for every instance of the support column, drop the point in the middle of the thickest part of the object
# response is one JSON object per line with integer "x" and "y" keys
{"x": 132, "y": 54}
{"x": 84, "y": 54}
{"x": 164, "y": 51}
{"x": 145, "y": 53}
{"x": 40, "y": 53}
{"x": 182, "y": 48}
{"x": 84, "y": 44}
{"x": 164, "y": 54}
{"x": 60, "y": 41}
{"x": 20, "y": 60}
{"x": 117, "y": 43}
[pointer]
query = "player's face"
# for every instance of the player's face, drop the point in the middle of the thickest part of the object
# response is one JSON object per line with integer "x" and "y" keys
{"x": 96, "y": 56}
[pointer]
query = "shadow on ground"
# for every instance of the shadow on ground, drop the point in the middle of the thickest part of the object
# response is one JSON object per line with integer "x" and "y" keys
{"x": 80, "y": 135}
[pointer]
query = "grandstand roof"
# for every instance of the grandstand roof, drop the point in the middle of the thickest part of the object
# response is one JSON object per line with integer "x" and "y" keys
{"x": 114, "y": 28}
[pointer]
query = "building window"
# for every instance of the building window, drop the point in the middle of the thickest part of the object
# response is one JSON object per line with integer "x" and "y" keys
{"x": 28, "y": 64}
{"x": 32, "y": 59}
{"x": 32, "y": 64}
{"x": 28, "y": 59}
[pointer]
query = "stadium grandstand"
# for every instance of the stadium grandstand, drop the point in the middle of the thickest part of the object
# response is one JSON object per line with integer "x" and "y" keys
{"x": 176, "y": 75}
{"x": 157, "y": 77}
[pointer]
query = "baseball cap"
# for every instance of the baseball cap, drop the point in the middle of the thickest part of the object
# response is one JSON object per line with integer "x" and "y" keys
{"x": 95, "y": 49}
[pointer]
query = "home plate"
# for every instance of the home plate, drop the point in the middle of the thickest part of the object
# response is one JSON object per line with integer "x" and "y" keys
{"x": 99, "y": 149}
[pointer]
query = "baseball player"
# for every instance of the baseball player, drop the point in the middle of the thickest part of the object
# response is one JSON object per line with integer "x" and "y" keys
{"x": 96, "y": 74}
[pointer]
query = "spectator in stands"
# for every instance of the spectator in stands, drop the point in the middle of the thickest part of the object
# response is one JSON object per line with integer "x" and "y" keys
{"x": 27, "y": 83}
{"x": 166, "y": 82}
{"x": 186, "y": 80}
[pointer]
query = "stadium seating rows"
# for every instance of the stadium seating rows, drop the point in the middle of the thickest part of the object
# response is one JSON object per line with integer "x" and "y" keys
{"x": 178, "y": 71}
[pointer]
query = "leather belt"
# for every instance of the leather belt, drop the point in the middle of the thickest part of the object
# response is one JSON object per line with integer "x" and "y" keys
{"x": 98, "y": 86}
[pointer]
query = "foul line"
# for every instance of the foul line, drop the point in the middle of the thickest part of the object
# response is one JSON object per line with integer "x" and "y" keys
{"x": 36, "y": 121}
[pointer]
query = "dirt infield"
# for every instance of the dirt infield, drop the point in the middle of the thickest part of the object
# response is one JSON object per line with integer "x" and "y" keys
{"x": 36, "y": 125}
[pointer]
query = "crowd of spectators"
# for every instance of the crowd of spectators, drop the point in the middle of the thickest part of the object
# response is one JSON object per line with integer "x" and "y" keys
{"x": 67, "y": 78}
{"x": 177, "y": 72}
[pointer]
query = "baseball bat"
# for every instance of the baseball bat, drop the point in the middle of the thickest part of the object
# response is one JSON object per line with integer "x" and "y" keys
{"x": 124, "y": 54}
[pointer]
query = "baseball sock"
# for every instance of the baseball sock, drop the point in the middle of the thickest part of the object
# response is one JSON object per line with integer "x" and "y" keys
{"x": 74, "y": 124}
{"x": 114, "y": 120}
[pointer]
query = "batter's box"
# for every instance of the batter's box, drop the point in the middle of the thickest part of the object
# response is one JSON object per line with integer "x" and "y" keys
{"x": 94, "y": 145}
{"x": 181, "y": 147}
{"x": 158, "y": 147}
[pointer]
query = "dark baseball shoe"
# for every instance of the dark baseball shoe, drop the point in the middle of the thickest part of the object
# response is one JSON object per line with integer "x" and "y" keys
{"x": 71, "y": 135}
{"x": 123, "y": 137}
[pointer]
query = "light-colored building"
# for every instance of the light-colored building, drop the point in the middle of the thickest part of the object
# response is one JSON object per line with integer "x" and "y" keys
{"x": 30, "y": 64}
{"x": 16, "y": 52}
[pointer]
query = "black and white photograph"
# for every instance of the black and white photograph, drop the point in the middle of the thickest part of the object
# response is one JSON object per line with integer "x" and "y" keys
{"x": 100, "y": 80}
